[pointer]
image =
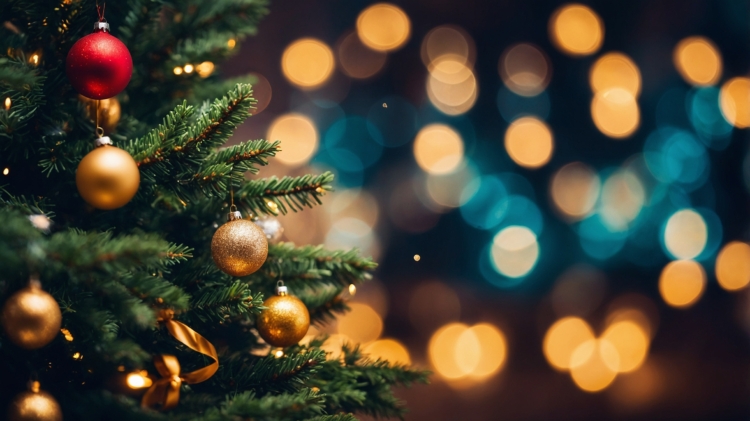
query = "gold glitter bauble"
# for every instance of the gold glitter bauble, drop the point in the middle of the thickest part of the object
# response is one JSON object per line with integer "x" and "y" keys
{"x": 31, "y": 318}
{"x": 107, "y": 177}
{"x": 284, "y": 322}
{"x": 34, "y": 406}
{"x": 239, "y": 247}
{"x": 109, "y": 112}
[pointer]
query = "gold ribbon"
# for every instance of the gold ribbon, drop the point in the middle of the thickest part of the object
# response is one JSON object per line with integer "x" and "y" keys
{"x": 166, "y": 391}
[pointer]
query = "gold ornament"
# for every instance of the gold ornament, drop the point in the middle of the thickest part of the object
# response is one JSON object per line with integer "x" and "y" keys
{"x": 34, "y": 405}
{"x": 107, "y": 177}
{"x": 239, "y": 247}
{"x": 31, "y": 317}
{"x": 108, "y": 115}
{"x": 285, "y": 320}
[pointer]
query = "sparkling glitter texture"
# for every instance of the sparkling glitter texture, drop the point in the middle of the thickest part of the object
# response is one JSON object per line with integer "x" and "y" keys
{"x": 31, "y": 317}
{"x": 239, "y": 247}
{"x": 284, "y": 322}
{"x": 99, "y": 65}
{"x": 36, "y": 406}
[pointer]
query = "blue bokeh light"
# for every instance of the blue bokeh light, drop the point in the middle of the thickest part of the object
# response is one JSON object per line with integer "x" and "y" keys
{"x": 676, "y": 156}
{"x": 705, "y": 115}
{"x": 484, "y": 202}
{"x": 597, "y": 240}
{"x": 356, "y": 136}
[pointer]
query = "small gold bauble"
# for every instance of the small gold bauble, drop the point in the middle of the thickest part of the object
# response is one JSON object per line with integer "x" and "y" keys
{"x": 31, "y": 318}
{"x": 107, "y": 177}
{"x": 239, "y": 247}
{"x": 109, "y": 112}
{"x": 34, "y": 406}
{"x": 284, "y": 322}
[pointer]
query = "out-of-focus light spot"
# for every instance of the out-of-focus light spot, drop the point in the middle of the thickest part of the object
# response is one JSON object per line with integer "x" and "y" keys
{"x": 279, "y": 353}
{"x": 262, "y": 92}
{"x": 188, "y": 68}
{"x": 578, "y": 291}
{"x": 138, "y": 380}
{"x": 685, "y": 234}
{"x": 615, "y": 112}
{"x": 353, "y": 232}
{"x": 484, "y": 202}
{"x": 6, "y": 171}
{"x": 591, "y": 365}
{"x": 448, "y": 40}
{"x": 705, "y": 115}
{"x": 374, "y": 294}
{"x": 383, "y": 27}
{"x": 433, "y": 304}
{"x": 442, "y": 351}
{"x": 682, "y": 282}
{"x": 631, "y": 342}
{"x": 178, "y": 70}
{"x": 362, "y": 324}
{"x": 733, "y": 266}
{"x": 515, "y": 251}
{"x": 575, "y": 190}
{"x": 529, "y": 142}
{"x": 417, "y": 257}
{"x": 333, "y": 344}
{"x": 66, "y": 333}
{"x": 298, "y": 135}
{"x": 735, "y": 101}
{"x": 389, "y": 350}
{"x": 520, "y": 210}
{"x": 563, "y": 338}
{"x": 354, "y": 203}
{"x": 636, "y": 308}
{"x": 698, "y": 61}
{"x": 481, "y": 350}
{"x": 231, "y": 43}
{"x": 358, "y": 61}
{"x": 525, "y": 69}
{"x": 438, "y": 149}
{"x": 676, "y": 156}
{"x": 352, "y": 289}
{"x": 307, "y": 63}
{"x": 205, "y": 69}
{"x": 598, "y": 240}
{"x": 615, "y": 70}
{"x": 576, "y": 30}
{"x": 34, "y": 59}
{"x": 639, "y": 388}
{"x": 445, "y": 190}
{"x": 8, "y": 103}
{"x": 451, "y": 85}
{"x": 77, "y": 356}
{"x": 622, "y": 199}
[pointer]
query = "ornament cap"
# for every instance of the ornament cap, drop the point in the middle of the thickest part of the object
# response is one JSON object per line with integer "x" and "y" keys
{"x": 101, "y": 141}
{"x": 101, "y": 26}
{"x": 281, "y": 289}
{"x": 234, "y": 215}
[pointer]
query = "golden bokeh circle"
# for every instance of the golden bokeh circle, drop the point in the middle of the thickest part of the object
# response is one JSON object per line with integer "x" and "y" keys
{"x": 307, "y": 63}
{"x": 529, "y": 142}
{"x": 698, "y": 61}
{"x": 576, "y": 30}
{"x": 383, "y": 27}
{"x": 734, "y": 99}
{"x": 682, "y": 282}
{"x": 298, "y": 136}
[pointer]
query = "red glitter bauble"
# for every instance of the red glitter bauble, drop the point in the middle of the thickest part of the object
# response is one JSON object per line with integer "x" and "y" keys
{"x": 99, "y": 65}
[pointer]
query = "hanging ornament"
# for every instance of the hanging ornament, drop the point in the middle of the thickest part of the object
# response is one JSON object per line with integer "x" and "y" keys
{"x": 271, "y": 226}
{"x": 99, "y": 65}
{"x": 34, "y": 405}
{"x": 107, "y": 177}
{"x": 239, "y": 247}
{"x": 108, "y": 114}
{"x": 31, "y": 317}
{"x": 285, "y": 320}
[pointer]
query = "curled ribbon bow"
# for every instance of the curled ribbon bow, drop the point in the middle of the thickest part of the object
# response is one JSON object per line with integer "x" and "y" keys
{"x": 166, "y": 391}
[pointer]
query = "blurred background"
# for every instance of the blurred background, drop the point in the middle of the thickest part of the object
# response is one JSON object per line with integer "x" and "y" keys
{"x": 557, "y": 194}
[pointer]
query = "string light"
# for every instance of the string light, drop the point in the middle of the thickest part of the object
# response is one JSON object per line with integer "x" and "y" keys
{"x": 178, "y": 70}
{"x": 188, "y": 68}
{"x": 231, "y": 42}
{"x": 66, "y": 333}
{"x": 139, "y": 380}
{"x": 6, "y": 171}
{"x": 417, "y": 257}
{"x": 8, "y": 102}
{"x": 352, "y": 289}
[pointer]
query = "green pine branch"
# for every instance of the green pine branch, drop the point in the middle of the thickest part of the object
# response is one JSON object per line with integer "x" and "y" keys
{"x": 270, "y": 374}
{"x": 282, "y": 407}
{"x": 225, "y": 302}
{"x": 337, "y": 417}
{"x": 221, "y": 167}
{"x": 272, "y": 195}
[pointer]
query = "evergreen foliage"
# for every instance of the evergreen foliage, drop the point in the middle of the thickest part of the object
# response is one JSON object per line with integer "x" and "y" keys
{"x": 112, "y": 272}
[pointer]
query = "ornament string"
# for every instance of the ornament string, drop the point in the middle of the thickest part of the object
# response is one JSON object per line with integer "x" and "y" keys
{"x": 165, "y": 392}
{"x": 100, "y": 11}
{"x": 99, "y": 131}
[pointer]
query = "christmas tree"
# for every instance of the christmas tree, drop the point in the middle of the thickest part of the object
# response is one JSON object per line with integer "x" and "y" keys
{"x": 126, "y": 291}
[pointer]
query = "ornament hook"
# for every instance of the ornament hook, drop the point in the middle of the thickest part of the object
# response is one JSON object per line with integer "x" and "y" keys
{"x": 281, "y": 289}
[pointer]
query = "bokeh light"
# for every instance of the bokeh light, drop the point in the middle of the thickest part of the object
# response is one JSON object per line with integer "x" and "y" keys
{"x": 307, "y": 63}
{"x": 525, "y": 69}
{"x": 442, "y": 351}
{"x": 438, "y": 149}
{"x": 529, "y": 142}
{"x": 138, "y": 380}
{"x": 458, "y": 351}
{"x": 390, "y": 350}
{"x": 362, "y": 324}
{"x": 615, "y": 112}
{"x": 492, "y": 348}
{"x": 733, "y": 266}
{"x": 698, "y": 61}
{"x": 445, "y": 190}
{"x": 676, "y": 156}
{"x": 682, "y": 282}
{"x": 433, "y": 304}
{"x": 563, "y": 338}
{"x": 383, "y": 27}
{"x": 631, "y": 343}
{"x": 685, "y": 234}
{"x": 636, "y": 308}
{"x": 353, "y": 232}
{"x": 622, "y": 199}
{"x": 514, "y": 251}
{"x": 735, "y": 101}
{"x": 299, "y": 136}
{"x": 576, "y": 30}
{"x": 591, "y": 364}
{"x": 615, "y": 70}
{"x": 574, "y": 190}
{"x": 451, "y": 85}
{"x": 358, "y": 61}
{"x": 448, "y": 40}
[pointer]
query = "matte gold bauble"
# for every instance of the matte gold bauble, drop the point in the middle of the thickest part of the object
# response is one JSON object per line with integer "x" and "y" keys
{"x": 285, "y": 320}
{"x": 109, "y": 112}
{"x": 34, "y": 405}
{"x": 107, "y": 177}
{"x": 239, "y": 247}
{"x": 31, "y": 318}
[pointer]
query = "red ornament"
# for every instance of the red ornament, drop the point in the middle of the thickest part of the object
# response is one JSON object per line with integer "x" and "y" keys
{"x": 99, "y": 65}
